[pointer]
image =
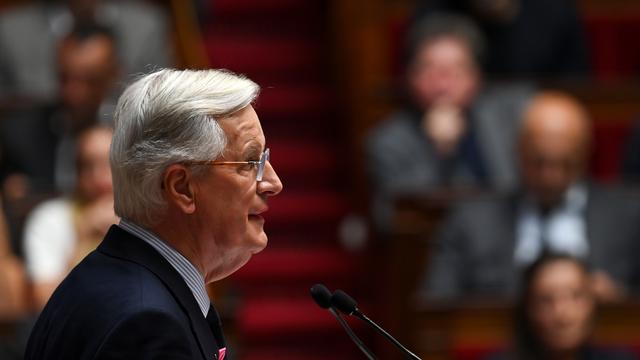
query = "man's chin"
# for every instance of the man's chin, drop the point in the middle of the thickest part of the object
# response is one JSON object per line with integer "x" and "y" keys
{"x": 261, "y": 243}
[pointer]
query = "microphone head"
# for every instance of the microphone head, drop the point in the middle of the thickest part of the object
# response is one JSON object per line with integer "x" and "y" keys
{"x": 343, "y": 302}
{"x": 321, "y": 295}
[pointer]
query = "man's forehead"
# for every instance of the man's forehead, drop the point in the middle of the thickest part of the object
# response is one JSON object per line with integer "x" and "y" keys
{"x": 243, "y": 128}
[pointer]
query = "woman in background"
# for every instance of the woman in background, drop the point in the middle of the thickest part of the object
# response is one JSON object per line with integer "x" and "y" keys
{"x": 62, "y": 231}
{"x": 555, "y": 314}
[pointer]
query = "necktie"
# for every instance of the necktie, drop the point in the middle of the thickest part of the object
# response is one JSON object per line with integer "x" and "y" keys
{"x": 216, "y": 328}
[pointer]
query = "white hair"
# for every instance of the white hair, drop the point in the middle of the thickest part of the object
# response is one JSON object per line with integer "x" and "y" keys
{"x": 167, "y": 117}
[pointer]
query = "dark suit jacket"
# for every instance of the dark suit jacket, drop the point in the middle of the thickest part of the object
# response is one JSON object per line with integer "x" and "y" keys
{"x": 124, "y": 301}
{"x": 474, "y": 251}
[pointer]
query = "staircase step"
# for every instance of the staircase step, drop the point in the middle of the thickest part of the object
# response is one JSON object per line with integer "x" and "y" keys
{"x": 316, "y": 127}
{"x": 297, "y": 318}
{"x": 294, "y": 100}
{"x": 256, "y": 55}
{"x": 307, "y": 164}
{"x": 318, "y": 207}
{"x": 296, "y": 264}
{"x": 262, "y": 6}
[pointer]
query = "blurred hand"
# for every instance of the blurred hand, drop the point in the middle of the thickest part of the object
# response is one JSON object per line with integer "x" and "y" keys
{"x": 444, "y": 125}
{"x": 92, "y": 222}
{"x": 96, "y": 217}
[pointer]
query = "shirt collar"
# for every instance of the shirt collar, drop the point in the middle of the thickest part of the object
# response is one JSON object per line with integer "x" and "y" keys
{"x": 574, "y": 199}
{"x": 188, "y": 272}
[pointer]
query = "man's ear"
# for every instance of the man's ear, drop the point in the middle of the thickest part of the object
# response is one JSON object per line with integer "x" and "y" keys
{"x": 178, "y": 188}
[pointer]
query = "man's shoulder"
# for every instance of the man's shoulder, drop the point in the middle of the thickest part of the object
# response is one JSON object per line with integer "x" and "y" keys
{"x": 117, "y": 283}
{"x": 104, "y": 298}
{"x": 396, "y": 129}
{"x": 398, "y": 121}
{"x": 59, "y": 206}
{"x": 614, "y": 202}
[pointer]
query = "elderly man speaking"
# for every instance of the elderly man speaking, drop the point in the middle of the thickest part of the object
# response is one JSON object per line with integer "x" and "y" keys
{"x": 191, "y": 178}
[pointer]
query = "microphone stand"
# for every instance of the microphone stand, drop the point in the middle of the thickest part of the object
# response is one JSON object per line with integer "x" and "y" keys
{"x": 384, "y": 333}
{"x": 345, "y": 303}
{"x": 368, "y": 353}
{"x": 322, "y": 296}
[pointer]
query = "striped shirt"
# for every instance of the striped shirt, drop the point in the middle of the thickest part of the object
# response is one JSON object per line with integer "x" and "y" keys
{"x": 191, "y": 275}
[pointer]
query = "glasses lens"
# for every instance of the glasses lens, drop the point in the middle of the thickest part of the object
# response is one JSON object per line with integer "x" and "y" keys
{"x": 263, "y": 160}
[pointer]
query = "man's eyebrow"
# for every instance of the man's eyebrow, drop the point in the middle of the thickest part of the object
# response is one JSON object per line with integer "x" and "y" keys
{"x": 254, "y": 146}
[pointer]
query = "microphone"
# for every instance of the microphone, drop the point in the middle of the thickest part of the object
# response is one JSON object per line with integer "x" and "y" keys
{"x": 322, "y": 296}
{"x": 346, "y": 304}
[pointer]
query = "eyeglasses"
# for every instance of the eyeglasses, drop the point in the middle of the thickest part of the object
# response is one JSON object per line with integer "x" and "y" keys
{"x": 260, "y": 164}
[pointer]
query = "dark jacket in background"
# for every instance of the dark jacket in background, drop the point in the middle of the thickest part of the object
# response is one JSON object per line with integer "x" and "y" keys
{"x": 473, "y": 253}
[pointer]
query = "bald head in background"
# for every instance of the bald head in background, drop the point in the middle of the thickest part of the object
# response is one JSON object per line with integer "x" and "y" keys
{"x": 554, "y": 146}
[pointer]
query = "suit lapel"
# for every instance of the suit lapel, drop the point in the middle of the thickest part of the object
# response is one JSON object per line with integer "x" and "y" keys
{"x": 121, "y": 244}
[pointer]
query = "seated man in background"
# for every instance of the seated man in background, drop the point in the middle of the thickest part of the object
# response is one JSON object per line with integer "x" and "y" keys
{"x": 555, "y": 314}
{"x": 60, "y": 232}
{"x": 487, "y": 241}
{"x": 456, "y": 133}
{"x": 37, "y": 142}
{"x": 30, "y": 32}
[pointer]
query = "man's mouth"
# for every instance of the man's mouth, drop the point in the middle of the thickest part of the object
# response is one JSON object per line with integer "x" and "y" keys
{"x": 256, "y": 215}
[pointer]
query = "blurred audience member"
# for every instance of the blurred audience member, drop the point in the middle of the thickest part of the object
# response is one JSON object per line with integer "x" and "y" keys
{"x": 14, "y": 303}
{"x": 486, "y": 241}
{"x": 37, "y": 143}
{"x": 12, "y": 278}
{"x": 456, "y": 133}
{"x": 60, "y": 232}
{"x": 555, "y": 314}
{"x": 29, "y": 35}
{"x": 539, "y": 38}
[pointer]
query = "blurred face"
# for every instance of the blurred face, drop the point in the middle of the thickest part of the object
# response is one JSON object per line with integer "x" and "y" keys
{"x": 561, "y": 306}
{"x": 229, "y": 200}
{"x": 444, "y": 72}
{"x": 553, "y": 150}
{"x": 87, "y": 73}
{"x": 92, "y": 163}
{"x": 550, "y": 167}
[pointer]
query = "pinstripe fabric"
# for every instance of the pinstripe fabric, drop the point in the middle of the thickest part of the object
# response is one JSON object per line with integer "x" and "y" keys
{"x": 191, "y": 276}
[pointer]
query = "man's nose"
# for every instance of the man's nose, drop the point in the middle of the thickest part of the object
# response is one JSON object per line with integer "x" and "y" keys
{"x": 270, "y": 184}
